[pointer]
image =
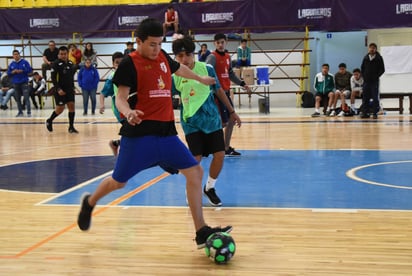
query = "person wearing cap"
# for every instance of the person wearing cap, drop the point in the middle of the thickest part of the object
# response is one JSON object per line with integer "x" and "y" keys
{"x": 200, "y": 117}
{"x": 221, "y": 62}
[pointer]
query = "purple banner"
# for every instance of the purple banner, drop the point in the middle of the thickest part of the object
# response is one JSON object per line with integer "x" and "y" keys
{"x": 209, "y": 17}
{"x": 58, "y": 22}
{"x": 129, "y": 17}
{"x": 332, "y": 15}
{"x": 212, "y": 17}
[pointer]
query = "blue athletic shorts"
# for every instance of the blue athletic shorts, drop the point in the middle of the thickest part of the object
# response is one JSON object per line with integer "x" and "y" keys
{"x": 139, "y": 153}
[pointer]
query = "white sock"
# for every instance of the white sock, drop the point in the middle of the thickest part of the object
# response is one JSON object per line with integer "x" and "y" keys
{"x": 317, "y": 110}
{"x": 210, "y": 183}
{"x": 327, "y": 109}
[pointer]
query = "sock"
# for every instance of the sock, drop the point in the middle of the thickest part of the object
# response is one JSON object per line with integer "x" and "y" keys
{"x": 53, "y": 116}
{"x": 327, "y": 109}
{"x": 210, "y": 183}
{"x": 71, "y": 119}
{"x": 317, "y": 110}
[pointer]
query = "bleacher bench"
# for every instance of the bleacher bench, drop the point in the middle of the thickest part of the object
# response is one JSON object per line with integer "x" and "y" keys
{"x": 400, "y": 96}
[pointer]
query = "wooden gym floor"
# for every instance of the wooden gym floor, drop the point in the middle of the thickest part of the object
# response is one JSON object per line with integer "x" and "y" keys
{"x": 324, "y": 196}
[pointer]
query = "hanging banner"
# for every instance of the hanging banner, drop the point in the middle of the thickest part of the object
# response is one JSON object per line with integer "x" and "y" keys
{"x": 209, "y": 17}
{"x": 213, "y": 17}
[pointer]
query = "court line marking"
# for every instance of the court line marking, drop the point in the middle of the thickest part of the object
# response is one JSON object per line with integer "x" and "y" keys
{"x": 352, "y": 175}
{"x": 102, "y": 176}
{"x": 217, "y": 209}
{"x": 115, "y": 202}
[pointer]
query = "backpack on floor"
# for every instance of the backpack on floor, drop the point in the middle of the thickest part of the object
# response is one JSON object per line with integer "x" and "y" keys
{"x": 308, "y": 100}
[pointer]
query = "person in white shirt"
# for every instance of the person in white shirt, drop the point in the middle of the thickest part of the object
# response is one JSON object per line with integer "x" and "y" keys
{"x": 356, "y": 84}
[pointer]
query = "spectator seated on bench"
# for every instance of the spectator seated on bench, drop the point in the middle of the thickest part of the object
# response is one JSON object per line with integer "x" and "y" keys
{"x": 171, "y": 21}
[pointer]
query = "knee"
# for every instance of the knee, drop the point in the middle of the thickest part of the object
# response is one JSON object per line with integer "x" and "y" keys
{"x": 197, "y": 171}
{"x": 219, "y": 156}
{"x": 113, "y": 184}
{"x": 119, "y": 185}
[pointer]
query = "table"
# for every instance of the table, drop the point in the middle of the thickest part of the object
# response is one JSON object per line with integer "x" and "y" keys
{"x": 400, "y": 96}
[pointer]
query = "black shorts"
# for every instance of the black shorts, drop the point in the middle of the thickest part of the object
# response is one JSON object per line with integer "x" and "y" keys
{"x": 204, "y": 144}
{"x": 321, "y": 95}
{"x": 171, "y": 27}
{"x": 224, "y": 113}
{"x": 62, "y": 100}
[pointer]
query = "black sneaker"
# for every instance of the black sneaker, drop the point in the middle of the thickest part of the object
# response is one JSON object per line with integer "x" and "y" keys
{"x": 49, "y": 125}
{"x": 73, "y": 130}
{"x": 85, "y": 215}
{"x": 212, "y": 196}
{"x": 206, "y": 231}
{"x": 231, "y": 152}
{"x": 316, "y": 114}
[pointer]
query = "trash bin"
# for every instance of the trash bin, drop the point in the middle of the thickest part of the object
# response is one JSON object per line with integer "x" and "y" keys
{"x": 264, "y": 105}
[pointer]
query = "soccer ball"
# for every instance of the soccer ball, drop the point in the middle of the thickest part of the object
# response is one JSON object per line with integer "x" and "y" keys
{"x": 220, "y": 247}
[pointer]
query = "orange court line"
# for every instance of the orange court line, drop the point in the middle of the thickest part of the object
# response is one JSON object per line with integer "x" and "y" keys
{"x": 95, "y": 213}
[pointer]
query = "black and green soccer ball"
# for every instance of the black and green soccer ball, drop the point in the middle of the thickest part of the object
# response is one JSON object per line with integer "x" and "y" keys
{"x": 220, "y": 247}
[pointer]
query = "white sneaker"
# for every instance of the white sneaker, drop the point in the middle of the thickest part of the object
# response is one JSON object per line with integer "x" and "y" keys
{"x": 332, "y": 113}
{"x": 341, "y": 113}
{"x": 354, "y": 111}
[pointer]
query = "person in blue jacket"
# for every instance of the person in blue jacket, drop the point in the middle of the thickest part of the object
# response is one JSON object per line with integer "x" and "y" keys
{"x": 88, "y": 80}
{"x": 19, "y": 71}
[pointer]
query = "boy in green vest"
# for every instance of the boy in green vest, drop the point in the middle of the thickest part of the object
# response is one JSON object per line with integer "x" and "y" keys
{"x": 200, "y": 117}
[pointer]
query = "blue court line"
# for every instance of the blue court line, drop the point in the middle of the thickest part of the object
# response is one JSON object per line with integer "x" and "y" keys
{"x": 283, "y": 179}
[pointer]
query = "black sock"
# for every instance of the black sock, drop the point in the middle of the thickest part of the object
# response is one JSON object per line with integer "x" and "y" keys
{"x": 116, "y": 142}
{"x": 71, "y": 119}
{"x": 53, "y": 116}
